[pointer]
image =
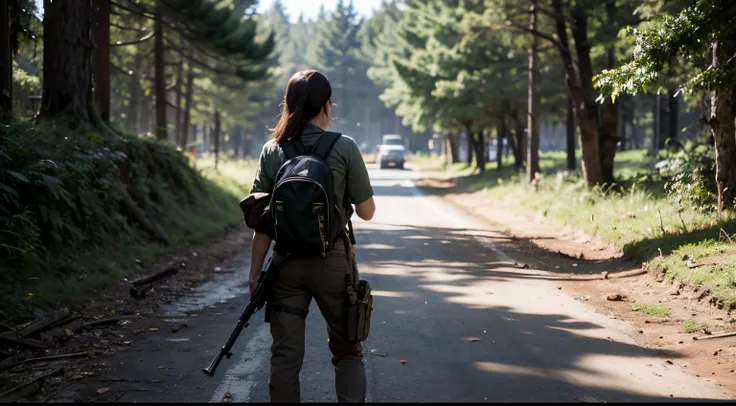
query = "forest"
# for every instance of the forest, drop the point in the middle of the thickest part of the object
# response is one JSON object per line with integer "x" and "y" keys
{"x": 108, "y": 105}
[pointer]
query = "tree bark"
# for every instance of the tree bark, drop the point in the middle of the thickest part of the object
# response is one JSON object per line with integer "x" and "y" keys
{"x": 101, "y": 57}
{"x": 470, "y": 141}
{"x": 187, "y": 106}
{"x": 480, "y": 151}
{"x": 454, "y": 155}
{"x": 580, "y": 88}
{"x": 532, "y": 157}
{"x": 178, "y": 90}
{"x": 723, "y": 127}
{"x": 216, "y": 135}
{"x": 608, "y": 129}
{"x": 67, "y": 64}
{"x": 500, "y": 137}
{"x": 161, "y": 131}
{"x": 6, "y": 65}
{"x": 518, "y": 146}
{"x": 571, "y": 159}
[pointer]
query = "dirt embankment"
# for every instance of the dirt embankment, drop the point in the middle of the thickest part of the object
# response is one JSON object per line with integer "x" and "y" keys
{"x": 669, "y": 317}
{"x": 79, "y": 341}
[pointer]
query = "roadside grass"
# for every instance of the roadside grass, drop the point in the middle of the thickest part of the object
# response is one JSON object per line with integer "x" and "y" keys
{"x": 651, "y": 309}
{"x": 691, "y": 326}
{"x": 65, "y": 233}
{"x": 637, "y": 217}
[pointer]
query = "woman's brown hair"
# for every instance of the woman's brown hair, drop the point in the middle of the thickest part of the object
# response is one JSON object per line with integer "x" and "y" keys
{"x": 307, "y": 94}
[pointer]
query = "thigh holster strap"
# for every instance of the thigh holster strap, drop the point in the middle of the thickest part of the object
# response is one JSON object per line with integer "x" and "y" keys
{"x": 289, "y": 309}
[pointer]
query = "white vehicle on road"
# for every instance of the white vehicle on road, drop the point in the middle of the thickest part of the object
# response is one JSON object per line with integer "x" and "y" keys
{"x": 391, "y": 155}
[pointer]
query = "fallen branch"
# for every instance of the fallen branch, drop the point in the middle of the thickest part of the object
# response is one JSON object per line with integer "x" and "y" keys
{"x": 41, "y": 359}
{"x": 13, "y": 337}
{"x": 606, "y": 275}
{"x": 45, "y": 323}
{"x": 55, "y": 372}
{"x": 726, "y": 234}
{"x": 101, "y": 322}
{"x": 719, "y": 335}
{"x": 170, "y": 269}
{"x": 627, "y": 274}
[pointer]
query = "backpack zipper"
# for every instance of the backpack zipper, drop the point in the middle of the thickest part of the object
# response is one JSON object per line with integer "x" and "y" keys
{"x": 327, "y": 199}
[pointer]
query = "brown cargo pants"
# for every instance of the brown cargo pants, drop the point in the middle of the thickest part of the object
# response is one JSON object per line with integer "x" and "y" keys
{"x": 299, "y": 281}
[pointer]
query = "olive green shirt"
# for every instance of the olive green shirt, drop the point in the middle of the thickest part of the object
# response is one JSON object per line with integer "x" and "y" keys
{"x": 349, "y": 174}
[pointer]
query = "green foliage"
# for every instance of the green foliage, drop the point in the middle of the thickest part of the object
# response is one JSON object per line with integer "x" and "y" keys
{"x": 690, "y": 175}
{"x": 61, "y": 211}
{"x": 651, "y": 309}
{"x": 691, "y": 326}
{"x": 690, "y": 33}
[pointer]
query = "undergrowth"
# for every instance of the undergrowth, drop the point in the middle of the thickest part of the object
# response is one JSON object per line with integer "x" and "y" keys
{"x": 64, "y": 228}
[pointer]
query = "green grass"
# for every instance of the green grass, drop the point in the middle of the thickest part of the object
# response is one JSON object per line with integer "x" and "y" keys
{"x": 64, "y": 232}
{"x": 691, "y": 326}
{"x": 651, "y": 309}
{"x": 638, "y": 217}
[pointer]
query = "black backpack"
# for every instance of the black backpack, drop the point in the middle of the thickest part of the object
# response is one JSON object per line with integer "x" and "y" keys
{"x": 305, "y": 216}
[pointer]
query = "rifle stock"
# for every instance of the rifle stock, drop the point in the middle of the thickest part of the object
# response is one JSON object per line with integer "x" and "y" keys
{"x": 257, "y": 301}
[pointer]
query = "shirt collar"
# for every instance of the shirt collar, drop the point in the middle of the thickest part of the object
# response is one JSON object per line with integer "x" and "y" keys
{"x": 312, "y": 129}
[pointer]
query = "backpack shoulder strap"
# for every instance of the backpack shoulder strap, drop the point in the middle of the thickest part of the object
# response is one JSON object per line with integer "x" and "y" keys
{"x": 293, "y": 148}
{"x": 324, "y": 144}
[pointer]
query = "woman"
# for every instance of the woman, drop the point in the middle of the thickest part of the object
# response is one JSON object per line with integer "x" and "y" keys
{"x": 305, "y": 116}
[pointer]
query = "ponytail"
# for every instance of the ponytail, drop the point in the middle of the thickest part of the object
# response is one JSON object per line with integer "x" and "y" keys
{"x": 307, "y": 94}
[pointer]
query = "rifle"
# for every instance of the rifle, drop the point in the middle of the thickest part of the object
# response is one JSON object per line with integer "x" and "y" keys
{"x": 257, "y": 301}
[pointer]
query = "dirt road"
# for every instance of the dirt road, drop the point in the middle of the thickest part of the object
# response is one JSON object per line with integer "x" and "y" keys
{"x": 451, "y": 301}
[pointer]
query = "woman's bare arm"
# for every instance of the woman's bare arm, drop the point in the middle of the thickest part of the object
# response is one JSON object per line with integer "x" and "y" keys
{"x": 259, "y": 249}
{"x": 366, "y": 209}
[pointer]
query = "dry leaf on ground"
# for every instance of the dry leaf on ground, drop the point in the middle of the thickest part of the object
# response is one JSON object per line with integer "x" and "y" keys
{"x": 471, "y": 339}
{"x": 103, "y": 390}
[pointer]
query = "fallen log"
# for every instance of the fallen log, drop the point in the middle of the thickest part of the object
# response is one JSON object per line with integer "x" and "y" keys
{"x": 47, "y": 322}
{"x": 100, "y": 322}
{"x": 55, "y": 372}
{"x": 718, "y": 335}
{"x": 41, "y": 359}
{"x": 170, "y": 269}
{"x": 13, "y": 337}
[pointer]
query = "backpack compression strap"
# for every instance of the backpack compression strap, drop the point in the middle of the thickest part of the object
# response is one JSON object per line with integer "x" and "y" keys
{"x": 293, "y": 148}
{"x": 324, "y": 144}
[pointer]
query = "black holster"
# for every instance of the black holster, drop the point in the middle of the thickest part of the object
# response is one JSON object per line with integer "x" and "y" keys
{"x": 359, "y": 302}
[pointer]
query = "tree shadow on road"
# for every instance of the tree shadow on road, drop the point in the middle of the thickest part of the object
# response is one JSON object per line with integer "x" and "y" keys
{"x": 434, "y": 286}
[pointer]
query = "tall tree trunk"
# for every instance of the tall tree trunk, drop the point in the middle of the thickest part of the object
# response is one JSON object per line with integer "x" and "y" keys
{"x": 178, "y": 89}
{"x": 571, "y": 159}
{"x": 187, "y": 106}
{"x": 216, "y": 135}
{"x": 67, "y": 62}
{"x": 161, "y": 131}
{"x": 470, "y": 142}
{"x": 722, "y": 116}
{"x": 101, "y": 57}
{"x": 674, "y": 115}
{"x": 481, "y": 151}
{"x": 609, "y": 111}
{"x": 500, "y": 137}
{"x": 532, "y": 157}
{"x": 580, "y": 88}
{"x": 452, "y": 141}
{"x": 6, "y": 65}
{"x": 518, "y": 146}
